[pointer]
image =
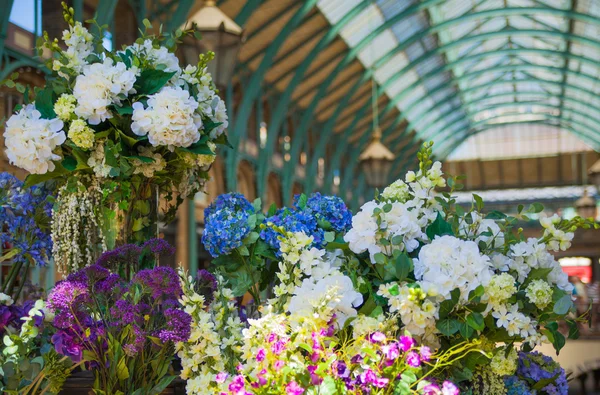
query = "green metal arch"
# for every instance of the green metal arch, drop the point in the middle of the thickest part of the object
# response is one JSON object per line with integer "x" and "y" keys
{"x": 307, "y": 117}
{"x": 450, "y": 65}
{"x": 283, "y": 102}
{"x": 253, "y": 89}
{"x": 11, "y": 67}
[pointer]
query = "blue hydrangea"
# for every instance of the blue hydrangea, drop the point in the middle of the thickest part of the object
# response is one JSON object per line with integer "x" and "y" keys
{"x": 234, "y": 201}
{"x": 292, "y": 221}
{"x": 515, "y": 386}
{"x": 534, "y": 366}
{"x": 226, "y": 224}
{"x": 331, "y": 209}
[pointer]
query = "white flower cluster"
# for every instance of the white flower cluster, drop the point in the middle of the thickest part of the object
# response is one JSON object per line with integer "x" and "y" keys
{"x": 399, "y": 221}
{"x": 531, "y": 254}
{"x": 31, "y": 141}
{"x": 156, "y": 56}
{"x": 97, "y": 161}
{"x": 448, "y": 263}
{"x": 215, "y": 341}
{"x": 293, "y": 246}
{"x": 80, "y": 45}
{"x": 485, "y": 230}
{"x": 76, "y": 228}
{"x": 170, "y": 118}
{"x": 539, "y": 293}
{"x": 418, "y": 311}
{"x": 101, "y": 85}
{"x": 518, "y": 324}
{"x": 5, "y": 299}
{"x": 559, "y": 240}
{"x": 500, "y": 288}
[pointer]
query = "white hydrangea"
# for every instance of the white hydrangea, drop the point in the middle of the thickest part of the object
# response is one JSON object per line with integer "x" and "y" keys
{"x": 101, "y": 85}
{"x": 148, "y": 168}
{"x": 396, "y": 191}
{"x": 156, "y": 56}
{"x": 333, "y": 294}
{"x": 170, "y": 118}
{"x": 402, "y": 220}
{"x": 418, "y": 312}
{"x": 448, "y": 263}
{"x": 30, "y": 140}
{"x": 80, "y": 45}
{"x": 218, "y": 114}
{"x": 539, "y": 293}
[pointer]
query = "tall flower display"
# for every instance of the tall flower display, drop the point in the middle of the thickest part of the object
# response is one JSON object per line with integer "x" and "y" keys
{"x": 118, "y": 130}
{"x": 412, "y": 294}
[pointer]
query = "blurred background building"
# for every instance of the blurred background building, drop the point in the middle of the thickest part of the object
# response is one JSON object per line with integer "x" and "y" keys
{"x": 327, "y": 95}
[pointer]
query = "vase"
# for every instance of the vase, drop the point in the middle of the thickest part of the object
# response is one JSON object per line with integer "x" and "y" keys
{"x": 131, "y": 215}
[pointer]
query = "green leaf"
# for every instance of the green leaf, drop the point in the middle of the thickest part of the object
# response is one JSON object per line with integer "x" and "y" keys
{"x": 162, "y": 384}
{"x": 446, "y": 308}
{"x": 69, "y": 163}
{"x": 573, "y": 329}
{"x": 448, "y": 326}
{"x": 34, "y": 179}
{"x": 302, "y": 200}
{"x": 122, "y": 371}
{"x": 439, "y": 227}
{"x": 455, "y": 295}
{"x": 536, "y": 208}
{"x": 380, "y": 258}
{"x": 44, "y": 103}
{"x": 151, "y": 81}
{"x": 475, "y": 321}
{"x": 403, "y": 266}
{"x": 478, "y": 202}
{"x": 466, "y": 330}
{"x": 328, "y": 386}
{"x": 223, "y": 140}
{"x": 199, "y": 148}
{"x": 544, "y": 382}
{"x": 495, "y": 215}
{"x": 563, "y": 305}
{"x": 409, "y": 377}
{"x": 477, "y": 292}
{"x": 329, "y": 236}
{"x": 126, "y": 110}
{"x": 272, "y": 210}
{"x": 209, "y": 125}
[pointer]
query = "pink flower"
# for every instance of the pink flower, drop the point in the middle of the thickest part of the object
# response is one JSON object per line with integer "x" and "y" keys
{"x": 425, "y": 353}
{"x": 431, "y": 389}
{"x": 237, "y": 384}
{"x": 292, "y": 388}
{"x": 260, "y": 355}
{"x": 449, "y": 388}
{"x": 406, "y": 343}
{"x": 221, "y": 377}
{"x": 377, "y": 337}
{"x": 278, "y": 365}
{"x": 413, "y": 359}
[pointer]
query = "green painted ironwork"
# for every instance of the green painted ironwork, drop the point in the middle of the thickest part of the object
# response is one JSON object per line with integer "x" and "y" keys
{"x": 253, "y": 87}
{"x": 178, "y": 18}
{"x": 105, "y": 12}
{"x": 280, "y": 112}
{"x": 247, "y": 10}
{"x": 192, "y": 237}
{"x": 7, "y": 7}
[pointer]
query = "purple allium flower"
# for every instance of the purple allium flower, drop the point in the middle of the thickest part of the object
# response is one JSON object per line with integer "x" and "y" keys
{"x": 292, "y": 388}
{"x": 178, "y": 326}
{"x": 65, "y": 299}
{"x": 162, "y": 280}
{"x": 449, "y": 388}
{"x": 425, "y": 353}
{"x": 406, "y": 343}
{"x": 127, "y": 256}
{"x": 124, "y": 313}
{"x": 413, "y": 359}
{"x": 159, "y": 247}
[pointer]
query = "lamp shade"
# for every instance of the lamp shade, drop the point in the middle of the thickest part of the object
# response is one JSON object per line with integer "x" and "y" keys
{"x": 586, "y": 206}
{"x": 376, "y": 162}
{"x": 594, "y": 173}
{"x": 221, "y": 35}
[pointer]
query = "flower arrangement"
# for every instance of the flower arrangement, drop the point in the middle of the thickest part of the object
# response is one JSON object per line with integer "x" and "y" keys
{"x": 25, "y": 234}
{"x": 119, "y": 128}
{"x": 125, "y": 331}
{"x": 325, "y": 285}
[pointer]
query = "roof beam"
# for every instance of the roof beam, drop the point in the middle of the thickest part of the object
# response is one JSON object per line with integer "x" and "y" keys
{"x": 253, "y": 88}
{"x": 180, "y": 15}
{"x": 567, "y": 59}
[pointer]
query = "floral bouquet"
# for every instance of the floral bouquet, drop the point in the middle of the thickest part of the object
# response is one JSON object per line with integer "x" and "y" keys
{"x": 462, "y": 282}
{"x": 125, "y": 331}
{"x": 25, "y": 235}
{"x": 117, "y": 130}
